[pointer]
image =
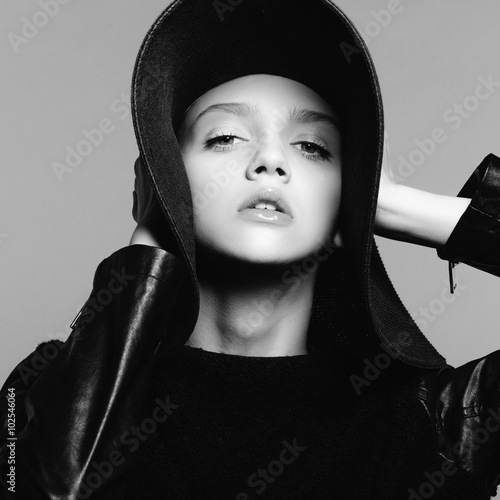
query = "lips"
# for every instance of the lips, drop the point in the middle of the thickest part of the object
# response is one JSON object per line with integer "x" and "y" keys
{"x": 267, "y": 199}
{"x": 268, "y": 206}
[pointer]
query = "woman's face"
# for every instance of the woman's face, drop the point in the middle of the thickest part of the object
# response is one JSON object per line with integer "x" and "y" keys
{"x": 262, "y": 154}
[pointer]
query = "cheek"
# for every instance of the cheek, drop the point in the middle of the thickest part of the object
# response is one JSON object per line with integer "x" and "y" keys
{"x": 211, "y": 176}
{"x": 203, "y": 184}
{"x": 211, "y": 186}
{"x": 323, "y": 198}
{"x": 197, "y": 175}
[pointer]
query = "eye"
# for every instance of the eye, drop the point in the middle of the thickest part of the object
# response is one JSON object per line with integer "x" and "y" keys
{"x": 312, "y": 150}
{"x": 223, "y": 142}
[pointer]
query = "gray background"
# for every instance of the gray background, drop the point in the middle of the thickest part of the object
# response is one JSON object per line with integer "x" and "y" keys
{"x": 76, "y": 69}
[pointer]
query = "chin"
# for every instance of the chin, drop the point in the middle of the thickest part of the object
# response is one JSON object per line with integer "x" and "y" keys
{"x": 262, "y": 255}
{"x": 260, "y": 246}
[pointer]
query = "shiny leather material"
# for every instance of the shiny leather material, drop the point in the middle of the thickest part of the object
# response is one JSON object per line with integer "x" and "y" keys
{"x": 474, "y": 241}
{"x": 464, "y": 408}
{"x": 76, "y": 401}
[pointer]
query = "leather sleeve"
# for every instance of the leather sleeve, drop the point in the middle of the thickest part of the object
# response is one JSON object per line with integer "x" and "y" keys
{"x": 77, "y": 402}
{"x": 464, "y": 406}
{"x": 476, "y": 238}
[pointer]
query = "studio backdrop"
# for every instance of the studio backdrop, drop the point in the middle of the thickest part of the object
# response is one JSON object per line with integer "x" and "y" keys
{"x": 68, "y": 149}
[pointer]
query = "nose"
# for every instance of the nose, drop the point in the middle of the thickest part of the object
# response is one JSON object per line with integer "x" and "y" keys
{"x": 269, "y": 159}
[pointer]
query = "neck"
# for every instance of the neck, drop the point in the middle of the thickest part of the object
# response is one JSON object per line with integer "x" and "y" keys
{"x": 253, "y": 310}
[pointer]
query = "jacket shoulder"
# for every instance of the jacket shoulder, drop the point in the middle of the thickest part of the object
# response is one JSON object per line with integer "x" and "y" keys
{"x": 27, "y": 370}
{"x": 141, "y": 298}
{"x": 463, "y": 405}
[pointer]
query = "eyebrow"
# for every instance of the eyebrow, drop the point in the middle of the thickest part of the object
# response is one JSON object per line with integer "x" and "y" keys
{"x": 301, "y": 115}
{"x": 234, "y": 108}
{"x": 295, "y": 115}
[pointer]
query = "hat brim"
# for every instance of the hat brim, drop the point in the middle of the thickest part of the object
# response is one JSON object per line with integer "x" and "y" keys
{"x": 195, "y": 46}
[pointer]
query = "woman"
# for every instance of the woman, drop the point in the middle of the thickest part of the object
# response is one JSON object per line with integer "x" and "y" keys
{"x": 223, "y": 354}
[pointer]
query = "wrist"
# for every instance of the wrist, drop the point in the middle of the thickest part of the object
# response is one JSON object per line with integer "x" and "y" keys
{"x": 141, "y": 236}
{"x": 418, "y": 217}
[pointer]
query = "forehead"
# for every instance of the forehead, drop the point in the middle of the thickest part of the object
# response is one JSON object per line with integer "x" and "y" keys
{"x": 261, "y": 93}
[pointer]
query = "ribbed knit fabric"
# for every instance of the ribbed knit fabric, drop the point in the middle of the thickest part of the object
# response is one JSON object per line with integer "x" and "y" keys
{"x": 284, "y": 428}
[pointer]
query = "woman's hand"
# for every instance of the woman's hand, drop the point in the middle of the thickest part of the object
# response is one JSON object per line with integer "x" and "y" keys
{"x": 152, "y": 229}
{"x": 142, "y": 235}
{"x": 151, "y": 223}
{"x": 412, "y": 215}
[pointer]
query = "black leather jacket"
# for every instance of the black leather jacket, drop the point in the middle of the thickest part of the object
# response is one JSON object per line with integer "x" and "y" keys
{"x": 76, "y": 403}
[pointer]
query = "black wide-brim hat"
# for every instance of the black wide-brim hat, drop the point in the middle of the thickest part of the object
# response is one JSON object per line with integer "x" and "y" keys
{"x": 196, "y": 45}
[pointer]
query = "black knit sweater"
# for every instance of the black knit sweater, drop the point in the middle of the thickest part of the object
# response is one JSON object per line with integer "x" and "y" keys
{"x": 282, "y": 428}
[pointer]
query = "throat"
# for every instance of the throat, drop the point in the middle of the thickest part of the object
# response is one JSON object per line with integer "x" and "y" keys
{"x": 260, "y": 318}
